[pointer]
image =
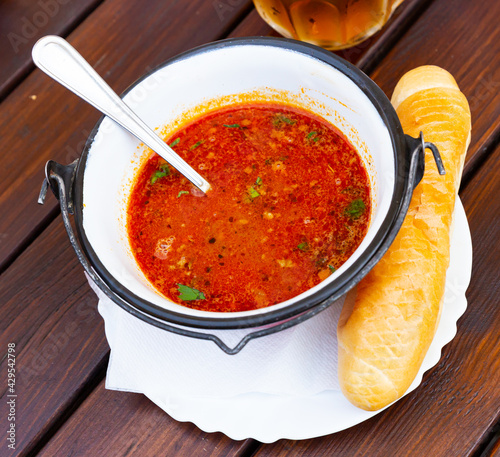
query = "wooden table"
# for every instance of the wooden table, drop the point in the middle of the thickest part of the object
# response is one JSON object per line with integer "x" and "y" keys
{"x": 49, "y": 311}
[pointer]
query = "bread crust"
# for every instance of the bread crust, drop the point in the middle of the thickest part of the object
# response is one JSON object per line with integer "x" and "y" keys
{"x": 389, "y": 320}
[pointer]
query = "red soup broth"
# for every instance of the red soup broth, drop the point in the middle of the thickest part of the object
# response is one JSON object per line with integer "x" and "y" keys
{"x": 289, "y": 204}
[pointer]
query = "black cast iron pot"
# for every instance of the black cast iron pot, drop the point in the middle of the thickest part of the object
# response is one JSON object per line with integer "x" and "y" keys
{"x": 95, "y": 187}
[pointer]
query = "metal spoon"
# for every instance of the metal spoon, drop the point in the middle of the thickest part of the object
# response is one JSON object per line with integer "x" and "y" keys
{"x": 56, "y": 57}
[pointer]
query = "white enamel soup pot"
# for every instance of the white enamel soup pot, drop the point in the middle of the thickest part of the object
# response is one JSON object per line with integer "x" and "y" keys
{"x": 96, "y": 187}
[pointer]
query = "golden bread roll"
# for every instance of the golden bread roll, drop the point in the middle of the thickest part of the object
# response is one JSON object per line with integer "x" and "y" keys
{"x": 389, "y": 320}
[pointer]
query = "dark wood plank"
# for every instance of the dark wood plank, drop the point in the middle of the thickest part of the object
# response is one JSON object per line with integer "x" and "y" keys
{"x": 464, "y": 38}
{"x": 23, "y": 22}
{"x": 41, "y": 120}
{"x": 453, "y": 410}
{"x": 50, "y": 314}
{"x": 126, "y": 424}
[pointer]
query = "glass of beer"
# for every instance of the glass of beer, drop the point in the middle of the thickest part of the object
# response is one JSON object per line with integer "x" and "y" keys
{"x": 331, "y": 24}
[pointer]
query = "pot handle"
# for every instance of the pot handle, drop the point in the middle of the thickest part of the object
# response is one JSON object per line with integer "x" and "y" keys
{"x": 66, "y": 173}
{"x": 60, "y": 179}
{"x": 416, "y": 148}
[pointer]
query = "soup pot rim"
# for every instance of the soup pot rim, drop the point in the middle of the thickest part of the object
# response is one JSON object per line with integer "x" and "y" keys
{"x": 403, "y": 183}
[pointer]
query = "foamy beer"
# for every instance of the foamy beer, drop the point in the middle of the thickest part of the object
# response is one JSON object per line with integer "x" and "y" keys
{"x": 331, "y": 24}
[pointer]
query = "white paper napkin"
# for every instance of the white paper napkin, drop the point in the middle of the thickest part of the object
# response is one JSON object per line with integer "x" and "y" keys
{"x": 299, "y": 361}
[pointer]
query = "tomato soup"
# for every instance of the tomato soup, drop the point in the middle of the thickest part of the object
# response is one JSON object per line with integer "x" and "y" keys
{"x": 290, "y": 203}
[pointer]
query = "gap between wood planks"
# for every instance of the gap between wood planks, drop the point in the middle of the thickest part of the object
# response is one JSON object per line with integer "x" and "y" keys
{"x": 480, "y": 158}
{"x": 491, "y": 442}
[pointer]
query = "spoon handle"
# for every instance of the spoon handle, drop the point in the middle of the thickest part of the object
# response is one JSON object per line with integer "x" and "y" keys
{"x": 56, "y": 57}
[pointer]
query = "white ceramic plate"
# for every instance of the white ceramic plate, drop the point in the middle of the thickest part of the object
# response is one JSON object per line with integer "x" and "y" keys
{"x": 268, "y": 418}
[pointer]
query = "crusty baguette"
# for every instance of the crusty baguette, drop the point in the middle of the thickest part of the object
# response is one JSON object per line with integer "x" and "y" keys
{"x": 389, "y": 320}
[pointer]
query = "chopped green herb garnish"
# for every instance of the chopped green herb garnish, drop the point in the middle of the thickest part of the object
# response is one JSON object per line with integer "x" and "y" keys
{"x": 303, "y": 246}
{"x": 182, "y": 192}
{"x": 164, "y": 170}
{"x": 356, "y": 208}
{"x": 194, "y": 146}
{"x": 313, "y": 136}
{"x": 280, "y": 118}
{"x": 332, "y": 269}
{"x": 232, "y": 126}
{"x": 175, "y": 142}
{"x": 253, "y": 193}
{"x": 287, "y": 120}
{"x": 258, "y": 181}
{"x": 188, "y": 293}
